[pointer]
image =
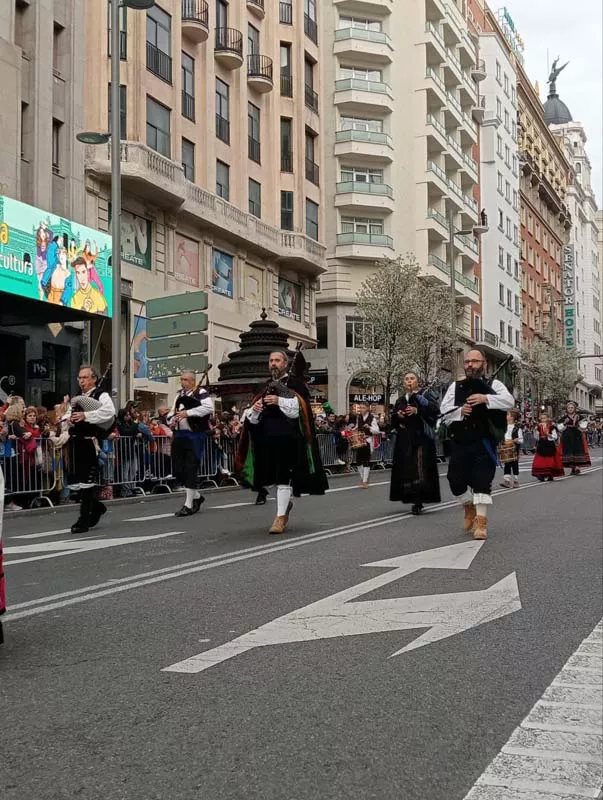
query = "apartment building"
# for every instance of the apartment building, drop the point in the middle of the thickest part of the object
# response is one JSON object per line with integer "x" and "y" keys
{"x": 544, "y": 215}
{"x": 41, "y": 165}
{"x": 500, "y": 333}
{"x": 222, "y": 159}
{"x": 400, "y": 97}
{"x": 581, "y": 280}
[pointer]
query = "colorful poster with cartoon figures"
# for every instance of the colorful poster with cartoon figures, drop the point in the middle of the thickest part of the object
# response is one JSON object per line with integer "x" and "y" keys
{"x": 140, "y": 365}
{"x": 45, "y": 257}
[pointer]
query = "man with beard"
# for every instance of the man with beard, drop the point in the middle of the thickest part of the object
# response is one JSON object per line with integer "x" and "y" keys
{"x": 475, "y": 412}
{"x": 278, "y": 442}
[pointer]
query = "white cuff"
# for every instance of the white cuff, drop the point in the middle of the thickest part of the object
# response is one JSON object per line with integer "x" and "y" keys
{"x": 484, "y": 499}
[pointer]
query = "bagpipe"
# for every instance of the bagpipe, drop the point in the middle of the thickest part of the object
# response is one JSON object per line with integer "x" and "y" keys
{"x": 82, "y": 402}
{"x": 298, "y": 372}
{"x": 468, "y": 386}
{"x": 184, "y": 402}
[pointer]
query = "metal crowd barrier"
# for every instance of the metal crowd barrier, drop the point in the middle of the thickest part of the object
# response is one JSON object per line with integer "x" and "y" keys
{"x": 29, "y": 476}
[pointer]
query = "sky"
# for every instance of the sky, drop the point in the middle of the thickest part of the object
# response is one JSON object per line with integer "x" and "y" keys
{"x": 573, "y": 31}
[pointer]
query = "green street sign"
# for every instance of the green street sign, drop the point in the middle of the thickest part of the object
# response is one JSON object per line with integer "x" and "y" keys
{"x": 177, "y": 345}
{"x": 169, "y": 367}
{"x": 176, "y": 304}
{"x": 182, "y": 323}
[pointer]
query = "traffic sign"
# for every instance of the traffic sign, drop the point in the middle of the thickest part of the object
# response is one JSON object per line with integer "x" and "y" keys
{"x": 177, "y": 345}
{"x": 176, "y": 304}
{"x": 169, "y": 367}
{"x": 182, "y": 323}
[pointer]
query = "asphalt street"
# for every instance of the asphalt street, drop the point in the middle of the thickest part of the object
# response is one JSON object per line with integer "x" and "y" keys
{"x": 166, "y": 659}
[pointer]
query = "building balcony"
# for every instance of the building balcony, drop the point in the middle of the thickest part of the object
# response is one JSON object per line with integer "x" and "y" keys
{"x": 259, "y": 73}
{"x": 311, "y": 28}
{"x": 365, "y": 197}
{"x": 453, "y": 111}
{"x": 257, "y": 8}
{"x": 488, "y": 342}
{"x": 356, "y": 42}
{"x": 468, "y": 249}
{"x": 437, "y": 222}
{"x": 311, "y": 98}
{"x": 453, "y": 67}
{"x": 438, "y": 178}
{"x": 195, "y": 20}
{"x": 367, "y": 7}
{"x": 286, "y": 84}
{"x": 434, "y": 41}
{"x": 466, "y": 288}
{"x": 436, "y": 87}
{"x": 364, "y": 146}
{"x": 312, "y": 172}
{"x": 159, "y": 63}
{"x": 285, "y": 13}
{"x": 467, "y": 90}
{"x": 362, "y": 96}
{"x": 468, "y": 131}
{"x": 229, "y": 48}
{"x": 143, "y": 171}
{"x": 294, "y": 250}
{"x": 370, "y": 246}
{"x": 479, "y": 72}
{"x": 436, "y": 134}
{"x": 478, "y": 111}
{"x": 188, "y": 106}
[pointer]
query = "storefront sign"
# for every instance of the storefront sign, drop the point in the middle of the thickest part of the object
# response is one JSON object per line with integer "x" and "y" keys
{"x": 372, "y": 399}
{"x": 289, "y": 300}
{"x": 38, "y": 369}
{"x": 222, "y": 273}
{"x": 569, "y": 296}
{"x": 54, "y": 260}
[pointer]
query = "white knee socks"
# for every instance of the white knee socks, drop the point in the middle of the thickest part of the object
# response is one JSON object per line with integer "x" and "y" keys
{"x": 283, "y": 496}
{"x": 191, "y": 495}
{"x": 482, "y": 509}
{"x": 364, "y": 473}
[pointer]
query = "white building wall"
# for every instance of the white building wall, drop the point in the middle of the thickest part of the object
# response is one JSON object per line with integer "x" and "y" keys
{"x": 499, "y": 176}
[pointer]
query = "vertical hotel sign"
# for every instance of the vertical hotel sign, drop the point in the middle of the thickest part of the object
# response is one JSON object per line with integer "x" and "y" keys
{"x": 569, "y": 296}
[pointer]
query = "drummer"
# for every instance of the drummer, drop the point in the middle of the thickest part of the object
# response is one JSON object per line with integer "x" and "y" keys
{"x": 364, "y": 427}
{"x": 508, "y": 452}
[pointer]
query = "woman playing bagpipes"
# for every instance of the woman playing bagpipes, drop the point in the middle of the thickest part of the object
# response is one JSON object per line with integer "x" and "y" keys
{"x": 278, "y": 440}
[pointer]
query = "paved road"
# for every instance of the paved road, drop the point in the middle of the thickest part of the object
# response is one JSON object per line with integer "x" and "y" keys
{"x": 172, "y": 659}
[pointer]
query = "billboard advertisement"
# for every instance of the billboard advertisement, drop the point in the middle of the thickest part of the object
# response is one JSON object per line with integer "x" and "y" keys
{"x": 569, "y": 296}
{"x": 289, "y": 299}
{"x": 186, "y": 263}
{"x": 136, "y": 240}
{"x": 54, "y": 260}
{"x": 222, "y": 273}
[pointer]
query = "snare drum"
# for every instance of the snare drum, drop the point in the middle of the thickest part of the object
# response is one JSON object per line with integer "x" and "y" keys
{"x": 507, "y": 452}
{"x": 357, "y": 440}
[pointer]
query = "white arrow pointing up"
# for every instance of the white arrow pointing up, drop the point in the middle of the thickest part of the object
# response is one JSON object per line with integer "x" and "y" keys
{"x": 443, "y": 614}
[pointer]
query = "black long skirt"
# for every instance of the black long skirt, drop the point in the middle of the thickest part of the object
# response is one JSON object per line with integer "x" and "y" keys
{"x": 574, "y": 448}
{"x": 414, "y": 477}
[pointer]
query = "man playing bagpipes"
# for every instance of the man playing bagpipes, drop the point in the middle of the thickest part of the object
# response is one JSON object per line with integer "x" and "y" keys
{"x": 278, "y": 440}
{"x": 474, "y": 411}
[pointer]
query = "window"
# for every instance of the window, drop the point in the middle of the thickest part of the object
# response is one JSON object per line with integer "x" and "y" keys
{"x": 312, "y": 170}
{"x": 253, "y": 123}
{"x": 358, "y": 333}
{"x": 312, "y": 219}
{"x": 56, "y": 146}
{"x": 513, "y": 130}
{"x": 501, "y": 294}
{"x": 509, "y": 264}
{"x": 362, "y": 73}
{"x": 188, "y": 160}
{"x": 159, "y": 43}
{"x": 506, "y": 83}
{"x": 286, "y": 75}
{"x": 286, "y": 12}
{"x": 287, "y": 211}
{"x": 123, "y": 34}
{"x": 222, "y": 111}
{"x": 508, "y": 228}
{"x": 507, "y": 122}
{"x": 221, "y": 14}
{"x": 507, "y": 156}
{"x": 158, "y": 127}
{"x": 517, "y": 304}
{"x": 517, "y": 340}
{"x": 515, "y": 235}
{"x": 499, "y": 184}
{"x": 530, "y": 223}
{"x": 513, "y": 95}
{"x": 499, "y": 72}
{"x": 578, "y": 167}
{"x": 58, "y": 48}
{"x": 507, "y": 191}
{"x": 509, "y": 299}
{"x": 255, "y": 198}
{"x": 531, "y": 256}
{"x": 188, "y": 87}
{"x": 362, "y": 225}
{"x": 499, "y": 110}
{"x": 322, "y": 339}
{"x": 502, "y": 330}
{"x": 310, "y": 26}
{"x": 311, "y": 98}
{"x": 253, "y": 40}
{"x": 515, "y": 199}
{"x": 359, "y": 124}
{"x": 516, "y": 270}
{"x": 501, "y": 220}
{"x": 361, "y": 175}
{"x": 501, "y": 257}
{"x": 499, "y": 145}
{"x": 537, "y": 264}
{"x": 286, "y": 144}
{"x": 222, "y": 180}
{"x": 123, "y": 122}
{"x": 509, "y": 334}
{"x": 537, "y": 232}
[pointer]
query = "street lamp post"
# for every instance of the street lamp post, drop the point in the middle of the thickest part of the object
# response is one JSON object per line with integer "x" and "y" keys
{"x": 102, "y": 138}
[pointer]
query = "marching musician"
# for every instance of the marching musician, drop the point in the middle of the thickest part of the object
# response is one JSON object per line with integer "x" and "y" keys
{"x": 511, "y": 448}
{"x": 471, "y": 409}
{"x": 278, "y": 442}
{"x": 86, "y": 430}
{"x": 189, "y": 418}
{"x": 366, "y": 424}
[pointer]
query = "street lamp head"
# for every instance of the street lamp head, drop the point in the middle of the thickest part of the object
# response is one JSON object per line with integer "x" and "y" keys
{"x": 93, "y": 137}
{"x": 138, "y": 5}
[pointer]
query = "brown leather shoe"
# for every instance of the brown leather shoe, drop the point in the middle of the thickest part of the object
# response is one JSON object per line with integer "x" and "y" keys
{"x": 470, "y": 514}
{"x": 481, "y": 528}
{"x": 279, "y": 525}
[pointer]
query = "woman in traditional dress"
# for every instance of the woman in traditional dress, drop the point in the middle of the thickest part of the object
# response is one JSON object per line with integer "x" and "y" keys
{"x": 573, "y": 441}
{"x": 547, "y": 464}
{"x": 414, "y": 477}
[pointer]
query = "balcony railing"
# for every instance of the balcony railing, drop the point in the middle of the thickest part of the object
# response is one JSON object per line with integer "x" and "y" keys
{"x": 229, "y": 40}
{"x": 434, "y": 214}
{"x": 487, "y": 337}
{"x": 311, "y": 98}
{"x": 259, "y": 66}
{"x": 188, "y": 106}
{"x": 362, "y": 35}
{"x": 344, "y": 84}
{"x": 287, "y": 161}
{"x": 196, "y": 11}
{"x": 312, "y": 171}
{"x": 258, "y": 3}
{"x": 311, "y": 28}
{"x": 434, "y": 29}
{"x": 376, "y": 239}
{"x": 285, "y": 13}
{"x": 222, "y": 128}
{"x": 286, "y": 84}
{"x": 159, "y": 63}
{"x": 469, "y": 283}
{"x": 363, "y": 187}
{"x": 370, "y": 137}
{"x": 253, "y": 149}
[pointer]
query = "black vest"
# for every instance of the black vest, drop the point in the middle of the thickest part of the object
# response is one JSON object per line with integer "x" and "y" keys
{"x": 86, "y": 429}
{"x": 274, "y": 423}
{"x": 186, "y": 401}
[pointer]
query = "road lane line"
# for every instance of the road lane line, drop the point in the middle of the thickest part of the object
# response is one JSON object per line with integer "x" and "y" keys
{"x": 557, "y": 750}
{"x": 42, "y": 535}
{"x": 42, "y": 605}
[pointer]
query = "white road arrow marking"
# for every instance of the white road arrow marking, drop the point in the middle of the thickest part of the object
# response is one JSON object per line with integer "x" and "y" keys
{"x": 443, "y": 614}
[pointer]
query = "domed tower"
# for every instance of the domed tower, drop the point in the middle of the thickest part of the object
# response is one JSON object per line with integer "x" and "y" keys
{"x": 555, "y": 110}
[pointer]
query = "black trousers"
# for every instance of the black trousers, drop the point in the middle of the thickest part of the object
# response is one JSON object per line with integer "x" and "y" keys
{"x": 89, "y": 505}
{"x": 512, "y": 468}
{"x": 470, "y": 466}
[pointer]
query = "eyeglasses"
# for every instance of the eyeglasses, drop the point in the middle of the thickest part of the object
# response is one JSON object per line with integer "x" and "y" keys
{"x": 473, "y": 361}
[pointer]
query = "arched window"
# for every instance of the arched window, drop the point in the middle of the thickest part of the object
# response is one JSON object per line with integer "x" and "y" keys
{"x": 578, "y": 167}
